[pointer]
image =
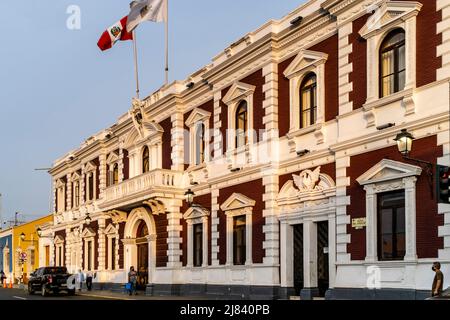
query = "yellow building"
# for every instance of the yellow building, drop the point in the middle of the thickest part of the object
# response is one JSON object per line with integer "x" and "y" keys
{"x": 26, "y": 248}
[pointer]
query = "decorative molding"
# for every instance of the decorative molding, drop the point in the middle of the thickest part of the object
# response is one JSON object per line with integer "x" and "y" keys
{"x": 237, "y": 201}
{"x": 305, "y": 61}
{"x": 238, "y": 91}
{"x": 386, "y": 170}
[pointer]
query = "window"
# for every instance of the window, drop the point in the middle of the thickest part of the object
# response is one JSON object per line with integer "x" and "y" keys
{"x": 60, "y": 256}
{"x": 391, "y": 226}
{"x": 198, "y": 245}
{"x": 241, "y": 124}
{"x": 89, "y": 255}
{"x": 115, "y": 174}
{"x": 113, "y": 254}
{"x": 145, "y": 160}
{"x": 76, "y": 194}
{"x": 47, "y": 256}
{"x": 239, "y": 249}
{"x": 308, "y": 101}
{"x": 392, "y": 63}
{"x": 199, "y": 143}
{"x": 91, "y": 186}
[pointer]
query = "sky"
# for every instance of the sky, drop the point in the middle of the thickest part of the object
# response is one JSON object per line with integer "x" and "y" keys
{"x": 57, "y": 88}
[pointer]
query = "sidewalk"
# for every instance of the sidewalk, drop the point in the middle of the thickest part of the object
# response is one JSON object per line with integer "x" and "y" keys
{"x": 114, "y": 295}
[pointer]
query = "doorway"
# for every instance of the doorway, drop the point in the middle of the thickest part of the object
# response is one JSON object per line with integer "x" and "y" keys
{"x": 142, "y": 255}
{"x": 298, "y": 259}
{"x": 323, "y": 275}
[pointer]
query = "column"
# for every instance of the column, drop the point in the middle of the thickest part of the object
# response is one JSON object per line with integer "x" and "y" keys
{"x": 103, "y": 173}
{"x": 310, "y": 254}
{"x": 249, "y": 238}
{"x": 371, "y": 227}
{"x": 102, "y": 244}
{"x": 443, "y": 50}
{"x": 121, "y": 165}
{"x": 151, "y": 256}
{"x": 287, "y": 255}
{"x": 69, "y": 192}
{"x": 229, "y": 240}
{"x": 342, "y": 200}
{"x": 214, "y": 226}
{"x": 83, "y": 186}
{"x": 270, "y": 212}
{"x": 345, "y": 68}
{"x": 190, "y": 244}
{"x": 410, "y": 218}
{"x": 174, "y": 230}
{"x": 270, "y": 104}
{"x": 177, "y": 141}
{"x": 205, "y": 241}
{"x": 218, "y": 139}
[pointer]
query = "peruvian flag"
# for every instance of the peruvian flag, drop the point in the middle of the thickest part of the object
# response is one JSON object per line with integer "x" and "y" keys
{"x": 115, "y": 33}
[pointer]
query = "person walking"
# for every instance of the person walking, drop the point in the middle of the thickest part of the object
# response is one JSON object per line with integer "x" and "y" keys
{"x": 438, "y": 281}
{"x": 132, "y": 279}
{"x": 2, "y": 276}
{"x": 89, "y": 277}
{"x": 80, "y": 280}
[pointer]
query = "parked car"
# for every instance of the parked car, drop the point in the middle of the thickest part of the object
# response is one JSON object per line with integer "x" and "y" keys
{"x": 50, "y": 279}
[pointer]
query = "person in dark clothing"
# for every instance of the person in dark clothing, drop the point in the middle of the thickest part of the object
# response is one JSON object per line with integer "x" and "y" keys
{"x": 438, "y": 281}
{"x": 89, "y": 281}
{"x": 2, "y": 276}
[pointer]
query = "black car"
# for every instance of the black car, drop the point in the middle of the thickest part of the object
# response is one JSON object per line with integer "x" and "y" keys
{"x": 51, "y": 279}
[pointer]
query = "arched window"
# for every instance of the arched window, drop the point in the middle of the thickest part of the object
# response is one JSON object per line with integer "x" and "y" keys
{"x": 308, "y": 101}
{"x": 241, "y": 124}
{"x": 145, "y": 160}
{"x": 115, "y": 175}
{"x": 142, "y": 230}
{"x": 200, "y": 143}
{"x": 392, "y": 63}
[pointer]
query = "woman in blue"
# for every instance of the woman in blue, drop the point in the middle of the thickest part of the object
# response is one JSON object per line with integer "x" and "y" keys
{"x": 132, "y": 279}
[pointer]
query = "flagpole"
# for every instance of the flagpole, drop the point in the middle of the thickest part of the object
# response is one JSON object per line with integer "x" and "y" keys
{"x": 167, "y": 42}
{"x": 136, "y": 70}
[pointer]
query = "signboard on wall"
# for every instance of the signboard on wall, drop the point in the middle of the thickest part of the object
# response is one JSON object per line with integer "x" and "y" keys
{"x": 359, "y": 223}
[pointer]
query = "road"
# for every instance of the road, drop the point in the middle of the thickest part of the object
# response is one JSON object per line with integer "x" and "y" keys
{"x": 20, "y": 294}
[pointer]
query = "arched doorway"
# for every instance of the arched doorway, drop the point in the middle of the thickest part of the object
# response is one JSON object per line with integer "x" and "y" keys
{"x": 142, "y": 255}
{"x": 140, "y": 245}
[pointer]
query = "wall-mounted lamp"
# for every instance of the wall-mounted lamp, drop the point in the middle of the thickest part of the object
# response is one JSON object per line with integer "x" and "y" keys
{"x": 303, "y": 152}
{"x": 88, "y": 219}
{"x": 296, "y": 20}
{"x": 189, "y": 196}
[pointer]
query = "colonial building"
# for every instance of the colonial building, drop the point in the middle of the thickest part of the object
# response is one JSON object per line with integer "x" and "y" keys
{"x": 284, "y": 146}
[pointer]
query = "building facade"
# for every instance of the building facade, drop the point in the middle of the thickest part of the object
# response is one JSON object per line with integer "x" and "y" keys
{"x": 6, "y": 247}
{"x": 286, "y": 143}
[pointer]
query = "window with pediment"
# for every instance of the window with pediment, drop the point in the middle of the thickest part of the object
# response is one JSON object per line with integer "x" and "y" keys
{"x": 197, "y": 223}
{"x": 88, "y": 236}
{"x": 112, "y": 169}
{"x": 198, "y": 124}
{"x": 392, "y": 63}
{"x": 76, "y": 190}
{"x": 90, "y": 170}
{"x": 60, "y": 195}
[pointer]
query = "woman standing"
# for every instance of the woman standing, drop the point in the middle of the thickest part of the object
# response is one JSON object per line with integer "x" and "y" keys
{"x": 132, "y": 279}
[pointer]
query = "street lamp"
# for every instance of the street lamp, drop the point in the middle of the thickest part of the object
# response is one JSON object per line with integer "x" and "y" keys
{"x": 404, "y": 142}
{"x": 189, "y": 196}
{"x": 22, "y": 236}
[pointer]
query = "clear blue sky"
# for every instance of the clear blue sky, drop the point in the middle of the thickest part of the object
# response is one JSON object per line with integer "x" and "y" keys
{"x": 57, "y": 88}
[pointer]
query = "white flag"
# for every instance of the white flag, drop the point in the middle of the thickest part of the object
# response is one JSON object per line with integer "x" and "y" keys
{"x": 146, "y": 10}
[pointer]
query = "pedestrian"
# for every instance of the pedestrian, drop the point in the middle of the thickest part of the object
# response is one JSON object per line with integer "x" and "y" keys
{"x": 89, "y": 277}
{"x": 132, "y": 279}
{"x": 2, "y": 276}
{"x": 438, "y": 281}
{"x": 80, "y": 280}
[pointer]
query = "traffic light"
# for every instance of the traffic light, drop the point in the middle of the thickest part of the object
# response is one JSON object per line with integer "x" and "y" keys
{"x": 443, "y": 184}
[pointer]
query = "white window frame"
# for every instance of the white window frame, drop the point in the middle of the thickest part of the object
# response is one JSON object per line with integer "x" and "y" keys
{"x": 76, "y": 179}
{"x": 198, "y": 116}
{"x": 389, "y": 16}
{"x": 389, "y": 175}
{"x": 197, "y": 215}
{"x": 239, "y": 92}
{"x": 306, "y": 62}
{"x": 60, "y": 196}
{"x": 112, "y": 234}
{"x": 111, "y": 161}
{"x": 90, "y": 169}
{"x": 238, "y": 205}
{"x": 59, "y": 259}
{"x": 88, "y": 236}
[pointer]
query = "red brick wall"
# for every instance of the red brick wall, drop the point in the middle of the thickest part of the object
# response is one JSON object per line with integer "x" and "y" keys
{"x": 209, "y": 107}
{"x": 427, "y": 42}
{"x": 359, "y": 59}
{"x": 96, "y": 161}
{"x": 205, "y": 201}
{"x": 254, "y": 190}
{"x": 167, "y": 144}
{"x": 224, "y": 120}
{"x": 161, "y": 224}
{"x": 126, "y": 165}
{"x": 330, "y": 46}
{"x": 283, "y": 98}
{"x": 428, "y": 220}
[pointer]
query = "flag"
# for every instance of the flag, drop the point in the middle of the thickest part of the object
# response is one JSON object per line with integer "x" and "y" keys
{"x": 113, "y": 34}
{"x": 146, "y": 10}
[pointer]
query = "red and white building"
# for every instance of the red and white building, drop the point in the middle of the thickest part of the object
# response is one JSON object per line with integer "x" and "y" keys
{"x": 287, "y": 141}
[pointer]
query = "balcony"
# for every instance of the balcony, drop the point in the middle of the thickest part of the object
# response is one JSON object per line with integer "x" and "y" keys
{"x": 156, "y": 183}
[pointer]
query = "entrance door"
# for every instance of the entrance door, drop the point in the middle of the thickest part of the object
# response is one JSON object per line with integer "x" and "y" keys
{"x": 322, "y": 258}
{"x": 298, "y": 258}
{"x": 142, "y": 267}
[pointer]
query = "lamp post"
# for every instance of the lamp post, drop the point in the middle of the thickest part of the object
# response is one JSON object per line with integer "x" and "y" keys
{"x": 189, "y": 196}
{"x": 404, "y": 144}
{"x": 88, "y": 219}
